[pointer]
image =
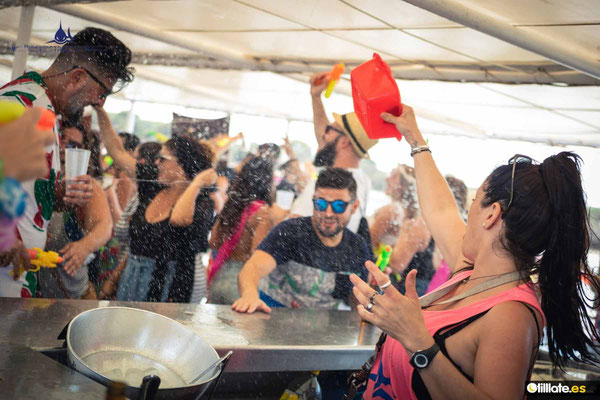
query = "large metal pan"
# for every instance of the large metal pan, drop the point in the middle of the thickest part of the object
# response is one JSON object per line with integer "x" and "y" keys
{"x": 128, "y": 345}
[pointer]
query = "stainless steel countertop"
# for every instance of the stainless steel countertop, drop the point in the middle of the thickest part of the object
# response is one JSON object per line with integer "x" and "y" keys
{"x": 28, "y": 374}
{"x": 285, "y": 340}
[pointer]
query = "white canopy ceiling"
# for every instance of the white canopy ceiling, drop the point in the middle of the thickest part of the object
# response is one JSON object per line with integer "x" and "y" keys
{"x": 254, "y": 56}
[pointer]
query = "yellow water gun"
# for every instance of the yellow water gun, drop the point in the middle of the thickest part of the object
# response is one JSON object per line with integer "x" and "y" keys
{"x": 40, "y": 258}
{"x": 334, "y": 77}
{"x": 10, "y": 111}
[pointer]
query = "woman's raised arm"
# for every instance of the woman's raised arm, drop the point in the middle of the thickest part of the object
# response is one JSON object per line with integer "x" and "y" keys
{"x": 113, "y": 145}
{"x": 435, "y": 198}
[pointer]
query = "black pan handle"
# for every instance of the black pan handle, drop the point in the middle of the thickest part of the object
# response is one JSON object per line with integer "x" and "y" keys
{"x": 218, "y": 378}
{"x": 63, "y": 334}
{"x": 149, "y": 387}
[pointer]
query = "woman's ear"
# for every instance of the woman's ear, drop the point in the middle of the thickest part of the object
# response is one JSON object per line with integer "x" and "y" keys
{"x": 494, "y": 215}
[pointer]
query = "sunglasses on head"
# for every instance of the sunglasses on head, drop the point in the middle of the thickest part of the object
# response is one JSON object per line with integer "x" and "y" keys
{"x": 516, "y": 159}
{"x": 337, "y": 206}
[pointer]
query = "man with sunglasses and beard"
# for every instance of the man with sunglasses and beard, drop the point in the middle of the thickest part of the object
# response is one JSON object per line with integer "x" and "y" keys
{"x": 305, "y": 262}
{"x": 85, "y": 72}
{"x": 342, "y": 144}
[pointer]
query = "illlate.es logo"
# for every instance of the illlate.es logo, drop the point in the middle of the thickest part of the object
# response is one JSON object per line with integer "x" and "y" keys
{"x": 60, "y": 37}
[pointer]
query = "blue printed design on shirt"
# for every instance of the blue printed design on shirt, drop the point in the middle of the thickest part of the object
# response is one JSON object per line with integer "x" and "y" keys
{"x": 380, "y": 381}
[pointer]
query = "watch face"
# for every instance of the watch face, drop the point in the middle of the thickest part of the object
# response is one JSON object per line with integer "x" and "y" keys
{"x": 420, "y": 360}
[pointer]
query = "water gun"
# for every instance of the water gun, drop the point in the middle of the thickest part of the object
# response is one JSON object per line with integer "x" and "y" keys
{"x": 10, "y": 111}
{"x": 40, "y": 258}
{"x": 334, "y": 77}
{"x": 384, "y": 258}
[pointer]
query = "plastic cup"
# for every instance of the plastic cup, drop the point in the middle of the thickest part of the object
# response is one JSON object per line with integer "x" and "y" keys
{"x": 76, "y": 163}
{"x": 284, "y": 199}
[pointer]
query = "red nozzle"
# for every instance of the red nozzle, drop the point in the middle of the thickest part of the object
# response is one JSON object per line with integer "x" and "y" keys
{"x": 33, "y": 254}
{"x": 46, "y": 121}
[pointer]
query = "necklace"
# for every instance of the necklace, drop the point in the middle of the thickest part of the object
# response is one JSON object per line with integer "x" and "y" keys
{"x": 468, "y": 278}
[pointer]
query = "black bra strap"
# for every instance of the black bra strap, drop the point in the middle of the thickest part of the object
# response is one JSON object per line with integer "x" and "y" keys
{"x": 458, "y": 326}
{"x": 536, "y": 348}
{"x": 537, "y": 325}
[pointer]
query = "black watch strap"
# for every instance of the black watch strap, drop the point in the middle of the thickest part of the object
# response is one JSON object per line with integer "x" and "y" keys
{"x": 422, "y": 358}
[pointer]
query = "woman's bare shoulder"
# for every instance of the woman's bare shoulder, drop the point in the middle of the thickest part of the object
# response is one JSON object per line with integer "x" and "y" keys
{"x": 522, "y": 322}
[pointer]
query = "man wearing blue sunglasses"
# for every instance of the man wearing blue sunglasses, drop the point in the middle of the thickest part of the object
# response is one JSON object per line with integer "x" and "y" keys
{"x": 306, "y": 262}
{"x": 342, "y": 143}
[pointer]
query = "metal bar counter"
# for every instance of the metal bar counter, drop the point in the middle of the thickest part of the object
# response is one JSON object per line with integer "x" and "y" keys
{"x": 285, "y": 340}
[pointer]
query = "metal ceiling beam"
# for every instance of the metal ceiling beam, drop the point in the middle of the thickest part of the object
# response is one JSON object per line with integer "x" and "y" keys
{"x": 538, "y": 73}
{"x": 43, "y": 3}
{"x": 566, "y": 54}
{"x": 527, "y": 73}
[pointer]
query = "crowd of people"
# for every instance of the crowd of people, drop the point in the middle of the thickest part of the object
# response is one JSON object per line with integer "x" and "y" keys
{"x": 138, "y": 230}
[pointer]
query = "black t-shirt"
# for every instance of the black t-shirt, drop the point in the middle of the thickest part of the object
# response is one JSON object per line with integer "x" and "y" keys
{"x": 308, "y": 273}
{"x": 163, "y": 242}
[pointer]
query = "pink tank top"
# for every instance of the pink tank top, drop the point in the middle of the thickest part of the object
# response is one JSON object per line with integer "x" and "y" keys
{"x": 391, "y": 375}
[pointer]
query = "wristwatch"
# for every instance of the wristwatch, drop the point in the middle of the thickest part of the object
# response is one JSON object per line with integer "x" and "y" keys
{"x": 422, "y": 358}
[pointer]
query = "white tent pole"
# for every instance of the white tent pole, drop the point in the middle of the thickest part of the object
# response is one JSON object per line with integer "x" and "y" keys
{"x": 563, "y": 53}
{"x": 23, "y": 37}
{"x": 130, "y": 121}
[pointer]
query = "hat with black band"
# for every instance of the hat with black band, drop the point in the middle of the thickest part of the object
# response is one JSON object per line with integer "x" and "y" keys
{"x": 351, "y": 125}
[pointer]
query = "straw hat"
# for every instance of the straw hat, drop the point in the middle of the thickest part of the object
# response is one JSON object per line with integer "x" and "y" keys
{"x": 356, "y": 133}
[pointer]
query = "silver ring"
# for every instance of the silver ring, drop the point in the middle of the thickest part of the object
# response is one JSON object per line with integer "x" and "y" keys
{"x": 369, "y": 306}
{"x": 385, "y": 285}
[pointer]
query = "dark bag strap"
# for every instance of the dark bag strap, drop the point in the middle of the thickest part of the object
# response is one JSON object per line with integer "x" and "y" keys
{"x": 358, "y": 380}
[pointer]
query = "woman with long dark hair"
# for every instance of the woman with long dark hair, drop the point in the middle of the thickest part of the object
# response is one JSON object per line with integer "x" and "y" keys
{"x": 241, "y": 226}
{"x": 114, "y": 264}
{"x": 173, "y": 219}
{"x": 477, "y": 335}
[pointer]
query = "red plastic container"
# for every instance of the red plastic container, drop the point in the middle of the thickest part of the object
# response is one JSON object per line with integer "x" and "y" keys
{"x": 374, "y": 91}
